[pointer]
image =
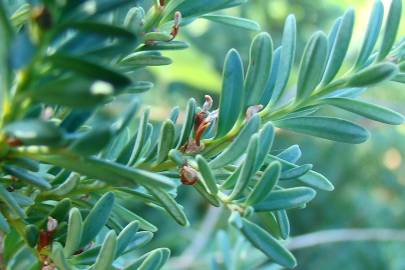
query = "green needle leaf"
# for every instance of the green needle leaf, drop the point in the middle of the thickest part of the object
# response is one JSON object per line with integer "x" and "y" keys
{"x": 92, "y": 142}
{"x": 284, "y": 223}
{"x": 230, "y": 104}
{"x": 267, "y": 244}
{"x": 291, "y": 154}
{"x": 35, "y": 132}
{"x": 89, "y": 69}
{"x": 97, "y": 218}
{"x": 207, "y": 175}
{"x": 367, "y": 110}
{"x": 31, "y": 235}
{"x": 107, "y": 253}
{"x": 287, "y": 57}
{"x": 248, "y": 168}
{"x": 188, "y": 123}
{"x": 233, "y": 21}
{"x": 171, "y": 206}
{"x": 261, "y": 54}
{"x": 11, "y": 202}
{"x": 312, "y": 178}
{"x": 58, "y": 257}
{"x": 329, "y": 128}
{"x": 296, "y": 172}
{"x": 312, "y": 65}
{"x": 266, "y": 139}
{"x": 373, "y": 31}
{"x": 74, "y": 233}
{"x": 73, "y": 92}
{"x": 107, "y": 171}
{"x": 4, "y": 227}
{"x": 166, "y": 141}
{"x": 265, "y": 184}
{"x": 373, "y": 75}
{"x": 28, "y": 177}
{"x": 154, "y": 260}
{"x": 126, "y": 236}
{"x": 286, "y": 199}
{"x": 340, "y": 47}
{"x": 140, "y": 138}
{"x": 391, "y": 28}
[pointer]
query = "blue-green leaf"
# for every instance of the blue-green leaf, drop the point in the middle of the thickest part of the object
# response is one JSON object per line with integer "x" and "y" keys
{"x": 233, "y": 21}
{"x": 188, "y": 123}
{"x": 311, "y": 178}
{"x": 58, "y": 257}
{"x": 296, "y": 172}
{"x": 373, "y": 31}
{"x": 140, "y": 138}
{"x": 268, "y": 92}
{"x": 107, "y": 253}
{"x": 35, "y": 132}
{"x": 28, "y": 177}
{"x": 73, "y": 91}
{"x": 97, "y": 218}
{"x": 284, "y": 223}
{"x": 291, "y": 154}
{"x": 266, "y": 139}
{"x": 373, "y": 75}
{"x": 4, "y": 227}
{"x": 312, "y": 65}
{"x": 266, "y": 243}
{"x": 286, "y": 199}
{"x": 265, "y": 184}
{"x": 365, "y": 109}
{"x": 126, "y": 236}
{"x": 171, "y": 206}
{"x": 329, "y": 128}
{"x": 261, "y": 54}
{"x": 207, "y": 175}
{"x": 340, "y": 47}
{"x": 89, "y": 69}
{"x": 333, "y": 35}
{"x": 230, "y": 105}
{"x": 194, "y": 8}
{"x": 166, "y": 140}
{"x": 74, "y": 232}
{"x": 391, "y": 28}
{"x": 93, "y": 141}
{"x": 10, "y": 201}
{"x": 286, "y": 58}
{"x": 248, "y": 168}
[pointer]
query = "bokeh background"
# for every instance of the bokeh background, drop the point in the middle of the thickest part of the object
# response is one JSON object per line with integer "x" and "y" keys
{"x": 369, "y": 178}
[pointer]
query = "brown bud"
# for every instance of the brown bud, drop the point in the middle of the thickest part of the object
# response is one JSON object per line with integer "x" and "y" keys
{"x": 176, "y": 26}
{"x": 14, "y": 142}
{"x": 188, "y": 175}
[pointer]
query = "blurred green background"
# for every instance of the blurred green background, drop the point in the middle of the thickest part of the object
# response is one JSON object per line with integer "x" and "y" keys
{"x": 369, "y": 178}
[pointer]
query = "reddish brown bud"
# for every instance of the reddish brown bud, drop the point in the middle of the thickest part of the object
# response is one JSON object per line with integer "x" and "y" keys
{"x": 14, "y": 142}
{"x": 176, "y": 26}
{"x": 188, "y": 175}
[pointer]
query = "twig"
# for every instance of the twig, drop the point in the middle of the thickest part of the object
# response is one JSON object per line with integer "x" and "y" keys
{"x": 344, "y": 235}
